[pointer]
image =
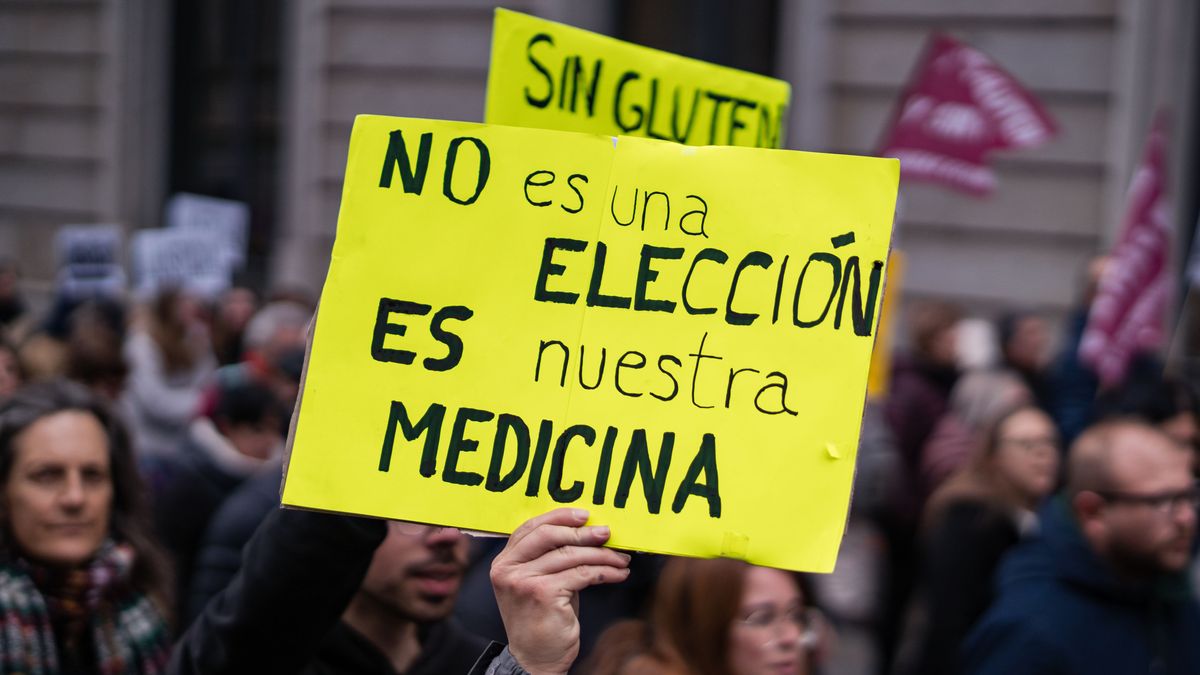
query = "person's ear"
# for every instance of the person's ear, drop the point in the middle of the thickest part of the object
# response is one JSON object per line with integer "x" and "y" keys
{"x": 1087, "y": 507}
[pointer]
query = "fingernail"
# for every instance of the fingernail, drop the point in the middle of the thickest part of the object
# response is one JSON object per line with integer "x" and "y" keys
{"x": 601, "y": 531}
{"x": 625, "y": 556}
{"x": 581, "y": 514}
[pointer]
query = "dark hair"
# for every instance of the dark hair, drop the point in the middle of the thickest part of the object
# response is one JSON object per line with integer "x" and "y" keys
{"x": 930, "y": 319}
{"x": 95, "y": 335}
{"x": 247, "y": 403}
{"x": 170, "y": 332}
{"x": 1149, "y": 396}
{"x": 1008, "y": 324}
{"x": 129, "y": 517}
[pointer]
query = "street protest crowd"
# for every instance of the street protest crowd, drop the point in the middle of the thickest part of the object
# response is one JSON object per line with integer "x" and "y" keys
{"x": 1018, "y": 518}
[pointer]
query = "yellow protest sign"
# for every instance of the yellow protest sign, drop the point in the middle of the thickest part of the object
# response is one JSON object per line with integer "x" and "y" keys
{"x": 673, "y": 337}
{"x": 552, "y": 76}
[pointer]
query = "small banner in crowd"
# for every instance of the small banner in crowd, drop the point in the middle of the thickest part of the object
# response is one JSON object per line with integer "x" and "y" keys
{"x": 1126, "y": 317}
{"x": 225, "y": 222}
{"x": 89, "y": 263}
{"x": 179, "y": 258}
{"x": 676, "y": 338}
{"x": 551, "y": 76}
{"x": 958, "y": 107}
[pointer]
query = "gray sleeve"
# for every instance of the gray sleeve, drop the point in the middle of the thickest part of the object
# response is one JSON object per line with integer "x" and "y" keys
{"x": 497, "y": 660}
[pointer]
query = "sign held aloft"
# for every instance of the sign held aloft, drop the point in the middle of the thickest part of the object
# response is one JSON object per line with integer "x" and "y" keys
{"x": 179, "y": 258}
{"x": 89, "y": 263}
{"x": 225, "y": 221}
{"x": 676, "y": 338}
{"x": 552, "y": 76}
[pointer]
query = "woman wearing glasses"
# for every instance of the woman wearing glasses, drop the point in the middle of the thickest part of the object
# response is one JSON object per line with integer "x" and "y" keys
{"x": 969, "y": 524}
{"x": 716, "y": 617}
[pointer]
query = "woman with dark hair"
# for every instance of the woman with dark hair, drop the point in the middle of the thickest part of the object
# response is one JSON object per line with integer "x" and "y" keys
{"x": 970, "y": 522}
{"x": 715, "y": 617}
{"x": 82, "y": 587}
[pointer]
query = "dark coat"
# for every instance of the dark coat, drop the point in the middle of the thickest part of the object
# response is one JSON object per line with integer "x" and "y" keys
{"x": 187, "y": 488}
{"x": 961, "y": 552}
{"x": 1071, "y": 385}
{"x": 282, "y": 611}
{"x": 219, "y": 555}
{"x": 1062, "y": 611}
{"x": 918, "y": 397}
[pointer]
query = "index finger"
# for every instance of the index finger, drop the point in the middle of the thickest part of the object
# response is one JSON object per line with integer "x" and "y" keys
{"x": 547, "y": 537}
{"x": 564, "y": 516}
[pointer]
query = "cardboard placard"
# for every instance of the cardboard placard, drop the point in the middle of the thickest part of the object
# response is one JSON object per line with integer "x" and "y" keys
{"x": 89, "y": 263}
{"x": 225, "y": 222}
{"x": 676, "y": 338}
{"x": 172, "y": 258}
{"x": 548, "y": 75}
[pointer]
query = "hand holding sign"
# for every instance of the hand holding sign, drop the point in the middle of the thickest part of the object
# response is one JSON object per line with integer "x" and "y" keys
{"x": 537, "y": 579}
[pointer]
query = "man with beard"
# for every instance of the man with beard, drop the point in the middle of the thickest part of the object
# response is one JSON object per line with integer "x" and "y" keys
{"x": 324, "y": 593}
{"x": 1103, "y": 589}
{"x": 401, "y": 611}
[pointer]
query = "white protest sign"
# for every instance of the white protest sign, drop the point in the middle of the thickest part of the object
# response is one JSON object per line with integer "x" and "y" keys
{"x": 223, "y": 221}
{"x": 181, "y": 259}
{"x": 88, "y": 260}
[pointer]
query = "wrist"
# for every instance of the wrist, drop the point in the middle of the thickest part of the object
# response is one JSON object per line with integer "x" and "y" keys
{"x": 523, "y": 667}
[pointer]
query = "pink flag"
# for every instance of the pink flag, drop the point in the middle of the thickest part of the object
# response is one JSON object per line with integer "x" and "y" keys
{"x": 958, "y": 107}
{"x": 1127, "y": 315}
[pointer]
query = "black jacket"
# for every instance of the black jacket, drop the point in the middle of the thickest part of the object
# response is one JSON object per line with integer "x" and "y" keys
{"x": 962, "y": 550}
{"x": 186, "y": 488}
{"x": 282, "y": 611}
{"x": 219, "y": 555}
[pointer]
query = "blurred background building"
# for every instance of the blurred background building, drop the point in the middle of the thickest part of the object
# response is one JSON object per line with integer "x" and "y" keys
{"x": 107, "y": 107}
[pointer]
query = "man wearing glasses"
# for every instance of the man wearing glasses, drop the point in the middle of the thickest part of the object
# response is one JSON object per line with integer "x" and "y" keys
{"x": 1103, "y": 589}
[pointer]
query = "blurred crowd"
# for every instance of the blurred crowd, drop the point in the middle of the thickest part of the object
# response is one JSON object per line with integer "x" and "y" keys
{"x": 1010, "y": 517}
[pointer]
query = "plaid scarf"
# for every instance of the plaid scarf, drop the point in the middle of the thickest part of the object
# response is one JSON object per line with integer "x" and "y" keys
{"x": 89, "y": 617}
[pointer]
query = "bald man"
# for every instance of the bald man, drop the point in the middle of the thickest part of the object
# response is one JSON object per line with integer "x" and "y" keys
{"x": 1103, "y": 588}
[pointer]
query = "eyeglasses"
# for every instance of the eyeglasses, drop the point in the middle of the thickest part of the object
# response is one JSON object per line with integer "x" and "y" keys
{"x": 1164, "y": 503}
{"x": 808, "y": 620}
{"x": 412, "y": 529}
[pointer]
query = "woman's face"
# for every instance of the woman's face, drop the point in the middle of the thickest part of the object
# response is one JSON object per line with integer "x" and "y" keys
{"x": 765, "y": 639}
{"x": 1027, "y": 453}
{"x": 59, "y": 492}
